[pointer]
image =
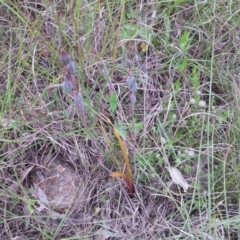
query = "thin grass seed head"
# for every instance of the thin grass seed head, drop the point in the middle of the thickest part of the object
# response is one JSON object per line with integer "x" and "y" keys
{"x": 67, "y": 84}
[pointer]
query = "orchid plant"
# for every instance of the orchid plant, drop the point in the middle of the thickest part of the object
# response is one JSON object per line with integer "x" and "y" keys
{"x": 70, "y": 86}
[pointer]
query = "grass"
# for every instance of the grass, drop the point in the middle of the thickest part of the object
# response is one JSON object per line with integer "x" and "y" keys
{"x": 184, "y": 56}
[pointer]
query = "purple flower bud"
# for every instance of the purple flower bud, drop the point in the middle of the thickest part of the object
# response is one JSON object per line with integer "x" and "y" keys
{"x": 65, "y": 58}
{"x": 131, "y": 82}
{"x": 78, "y": 100}
{"x": 71, "y": 68}
{"x": 67, "y": 85}
{"x": 133, "y": 88}
{"x": 132, "y": 98}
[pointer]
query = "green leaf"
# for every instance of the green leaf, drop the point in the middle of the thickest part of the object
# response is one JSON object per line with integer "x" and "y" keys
{"x": 183, "y": 41}
{"x": 195, "y": 78}
{"x": 132, "y": 30}
{"x": 138, "y": 126}
{"x": 122, "y": 129}
{"x": 131, "y": 13}
{"x": 177, "y": 85}
{"x": 197, "y": 98}
{"x": 183, "y": 64}
{"x": 31, "y": 203}
{"x": 113, "y": 102}
{"x": 156, "y": 42}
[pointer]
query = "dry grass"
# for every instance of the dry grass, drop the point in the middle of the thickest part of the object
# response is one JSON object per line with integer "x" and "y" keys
{"x": 182, "y": 53}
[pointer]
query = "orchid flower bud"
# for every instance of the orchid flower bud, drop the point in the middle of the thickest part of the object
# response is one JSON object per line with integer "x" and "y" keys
{"x": 65, "y": 58}
{"x": 133, "y": 98}
{"x": 133, "y": 88}
{"x": 71, "y": 68}
{"x": 131, "y": 82}
{"x": 67, "y": 85}
{"x": 78, "y": 100}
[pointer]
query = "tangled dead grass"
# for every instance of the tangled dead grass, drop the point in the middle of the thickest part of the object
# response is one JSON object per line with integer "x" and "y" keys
{"x": 40, "y": 121}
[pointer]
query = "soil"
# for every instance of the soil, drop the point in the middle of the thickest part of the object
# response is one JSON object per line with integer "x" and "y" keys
{"x": 60, "y": 183}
